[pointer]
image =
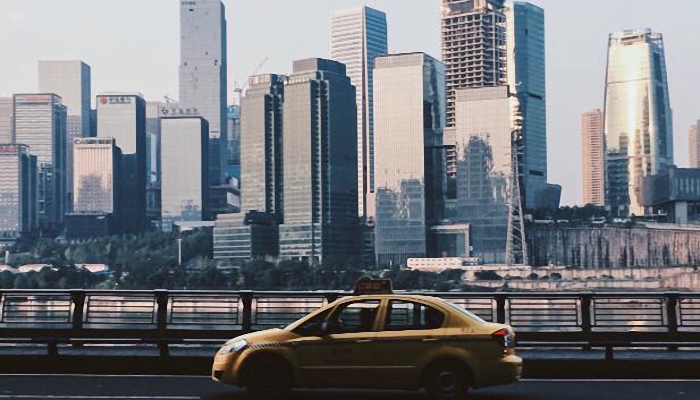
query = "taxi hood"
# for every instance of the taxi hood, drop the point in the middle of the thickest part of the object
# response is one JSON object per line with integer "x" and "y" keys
{"x": 266, "y": 336}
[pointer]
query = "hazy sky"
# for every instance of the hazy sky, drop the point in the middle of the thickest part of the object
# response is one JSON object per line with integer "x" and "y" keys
{"x": 132, "y": 45}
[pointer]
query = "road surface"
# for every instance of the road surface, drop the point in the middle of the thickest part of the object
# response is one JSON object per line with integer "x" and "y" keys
{"x": 82, "y": 387}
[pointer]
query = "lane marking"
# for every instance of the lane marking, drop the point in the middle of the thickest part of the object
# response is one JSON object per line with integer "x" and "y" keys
{"x": 105, "y": 376}
{"x": 69, "y": 397}
{"x": 610, "y": 380}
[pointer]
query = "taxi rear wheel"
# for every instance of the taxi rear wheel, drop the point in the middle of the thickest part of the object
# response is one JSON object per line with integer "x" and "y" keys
{"x": 268, "y": 378}
{"x": 447, "y": 380}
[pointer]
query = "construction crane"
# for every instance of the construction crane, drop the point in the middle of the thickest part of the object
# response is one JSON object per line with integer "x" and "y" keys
{"x": 240, "y": 90}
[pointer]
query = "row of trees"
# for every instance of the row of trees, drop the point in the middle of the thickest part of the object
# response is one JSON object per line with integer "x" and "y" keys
{"x": 149, "y": 261}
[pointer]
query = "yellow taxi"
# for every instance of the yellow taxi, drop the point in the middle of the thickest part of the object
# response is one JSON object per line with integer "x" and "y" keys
{"x": 374, "y": 340}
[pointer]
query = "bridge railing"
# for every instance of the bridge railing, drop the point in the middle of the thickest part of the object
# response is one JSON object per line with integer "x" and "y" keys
{"x": 591, "y": 318}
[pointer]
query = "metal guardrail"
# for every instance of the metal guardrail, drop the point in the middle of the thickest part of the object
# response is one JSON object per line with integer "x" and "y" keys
{"x": 613, "y": 319}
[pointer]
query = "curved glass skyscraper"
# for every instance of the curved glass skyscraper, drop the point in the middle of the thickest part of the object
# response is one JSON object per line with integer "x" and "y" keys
{"x": 638, "y": 120}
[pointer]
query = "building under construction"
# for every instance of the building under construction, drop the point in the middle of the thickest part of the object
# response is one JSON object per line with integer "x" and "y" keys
{"x": 473, "y": 39}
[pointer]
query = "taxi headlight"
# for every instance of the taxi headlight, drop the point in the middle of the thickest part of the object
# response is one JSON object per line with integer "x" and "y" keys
{"x": 234, "y": 347}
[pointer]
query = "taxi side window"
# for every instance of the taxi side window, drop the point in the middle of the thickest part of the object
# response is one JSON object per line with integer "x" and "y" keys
{"x": 355, "y": 317}
{"x": 409, "y": 316}
{"x": 313, "y": 325}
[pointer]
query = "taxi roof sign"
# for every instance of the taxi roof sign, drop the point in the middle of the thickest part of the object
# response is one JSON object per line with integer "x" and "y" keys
{"x": 369, "y": 285}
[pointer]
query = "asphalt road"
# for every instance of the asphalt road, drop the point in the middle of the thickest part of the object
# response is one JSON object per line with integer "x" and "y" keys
{"x": 53, "y": 387}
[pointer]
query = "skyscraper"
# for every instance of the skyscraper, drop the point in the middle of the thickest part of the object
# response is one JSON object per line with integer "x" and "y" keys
{"x": 185, "y": 177}
{"x": 203, "y": 74}
{"x": 409, "y": 118}
{"x": 96, "y": 176}
{"x": 71, "y": 81}
{"x": 18, "y": 202}
{"x": 593, "y": 149}
{"x": 694, "y": 144}
{"x": 358, "y": 36}
{"x": 638, "y": 120}
{"x": 123, "y": 117}
{"x": 473, "y": 39}
{"x": 253, "y": 233}
{"x": 7, "y": 134}
{"x": 320, "y": 164}
{"x": 40, "y": 124}
{"x": 234, "y": 141}
{"x": 485, "y": 167}
{"x": 526, "y": 77}
{"x": 154, "y": 110}
{"x": 473, "y": 43}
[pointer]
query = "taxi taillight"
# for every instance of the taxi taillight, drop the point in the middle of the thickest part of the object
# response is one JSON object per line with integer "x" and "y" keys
{"x": 505, "y": 337}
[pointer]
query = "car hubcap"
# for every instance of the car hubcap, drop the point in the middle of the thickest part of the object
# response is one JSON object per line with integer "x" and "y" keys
{"x": 447, "y": 381}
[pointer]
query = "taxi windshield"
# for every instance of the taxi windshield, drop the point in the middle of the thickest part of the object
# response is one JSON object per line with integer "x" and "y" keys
{"x": 464, "y": 312}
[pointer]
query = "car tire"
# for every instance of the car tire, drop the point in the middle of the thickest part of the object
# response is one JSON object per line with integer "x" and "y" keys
{"x": 268, "y": 378}
{"x": 447, "y": 380}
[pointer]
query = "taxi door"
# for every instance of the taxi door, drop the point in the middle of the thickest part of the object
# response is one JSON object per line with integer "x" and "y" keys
{"x": 410, "y": 331}
{"x": 344, "y": 357}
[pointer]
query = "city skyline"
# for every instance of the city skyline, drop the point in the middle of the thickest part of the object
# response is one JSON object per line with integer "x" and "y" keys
{"x": 568, "y": 54}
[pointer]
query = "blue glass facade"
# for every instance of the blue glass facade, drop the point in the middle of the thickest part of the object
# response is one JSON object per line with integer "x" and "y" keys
{"x": 320, "y": 165}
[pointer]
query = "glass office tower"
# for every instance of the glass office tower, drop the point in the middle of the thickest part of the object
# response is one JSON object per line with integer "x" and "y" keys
{"x": 409, "y": 111}
{"x": 185, "y": 177}
{"x": 96, "y": 176}
{"x": 526, "y": 77}
{"x": 203, "y": 74}
{"x": 253, "y": 233}
{"x": 40, "y": 124}
{"x": 320, "y": 164}
{"x": 123, "y": 117}
{"x": 71, "y": 80}
{"x": 485, "y": 167}
{"x": 638, "y": 119}
{"x": 17, "y": 191}
{"x": 358, "y": 36}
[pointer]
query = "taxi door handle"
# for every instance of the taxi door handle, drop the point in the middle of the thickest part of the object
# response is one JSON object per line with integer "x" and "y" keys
{"x": 430, "y": 340}
{"x": 364, "y": 341}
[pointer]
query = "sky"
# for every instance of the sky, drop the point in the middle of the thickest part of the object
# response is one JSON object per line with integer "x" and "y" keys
{"x": 133, "y": 45}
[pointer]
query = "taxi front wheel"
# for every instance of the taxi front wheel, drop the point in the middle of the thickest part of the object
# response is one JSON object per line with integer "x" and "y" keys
{"x": 267, "y": 378}
{"x": 447, "y": 380}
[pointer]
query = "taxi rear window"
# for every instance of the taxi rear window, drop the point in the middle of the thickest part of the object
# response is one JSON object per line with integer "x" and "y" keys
{"x": 462, "y": 311}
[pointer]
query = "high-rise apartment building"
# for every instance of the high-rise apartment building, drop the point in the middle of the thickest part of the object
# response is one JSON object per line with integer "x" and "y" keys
{"x": 123, "y": 118}
{"x": 185, "y": 176}
{"x": 694, "y": 144}
{"x": 320, "y": 164}
{"x": 40, "y": 124}
{"x": 409, "y": 119}
{"x": 96, "y": 180}
{"x": 593, "y": 154}
{"x": 485, "y": 167}
{"x": 358, "y": 36}
{"x": 203, "y": 74}
{"x": 253, "y": 233}
{"x": 18, "y": 202}
{"x": 7, "y": 120}
{"x": 70, "y": 80}
{"x": 525, "y": 32}
{"x": 638, "y": 119}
